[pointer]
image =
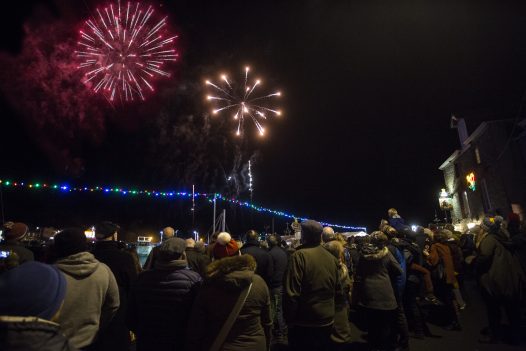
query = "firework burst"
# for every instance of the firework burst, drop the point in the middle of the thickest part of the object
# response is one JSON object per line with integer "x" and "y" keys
{"x": 123, "y": 49}
{"x": 243, "y": 101}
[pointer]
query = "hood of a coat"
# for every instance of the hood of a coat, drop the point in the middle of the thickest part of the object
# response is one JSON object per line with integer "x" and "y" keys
{"x": 234, "y": 272}
{"x": 79, "y": 265}
{"x": 371, "y": 252}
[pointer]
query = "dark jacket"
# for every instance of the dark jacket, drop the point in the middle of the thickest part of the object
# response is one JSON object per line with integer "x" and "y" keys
{"x": 504, "y": 278}
{"x": 279, "y": 263}
{"x": 264, "y": 262}
{"x": 519, "y": 246}
{"x": 374, "y": 272}
{"x": 31, "y": 333}
{"x": 341, "y": 330}
{"x": 160, "y": 304}
{"x": 116, "y": 336}
{"x": 152, "y": 257}
{"x": 198, "y": 261}
{"x": 311, "y": 282}
{"x": 226, "y": 279}
{"x": 23, "y": 253}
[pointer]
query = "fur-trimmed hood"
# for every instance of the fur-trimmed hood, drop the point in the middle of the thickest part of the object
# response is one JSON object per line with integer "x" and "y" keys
{"x": 371, "y": 252}
{"x": 235, "y": 271}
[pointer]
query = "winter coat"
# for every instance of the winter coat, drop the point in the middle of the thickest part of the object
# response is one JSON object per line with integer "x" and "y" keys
{"x": 117, "y": 335}
{"x": 375, "y": 269}
{"x": 504, "y": 277}
{"x": 279, "y": 263}
{"x": 264, "y": 262}
{"x": 456, "y": 254}
{"x": 152, "y": 257}
{"x": 23, "y": 253}
{"x": 519, "y": 245}
{"x": 226, "y": 279}
{"x": 160, "y": 304}
{"x": 398, "y": 223}
{"x": 198, "y": 261}
{"x": 31, "y": 334}
{"x": 398, "y": 281}
{"x": 341, "y": 329}
{"x": 92, "y": 298}
{"x": 441, "y": 252}
{"x": 311, "y": 282}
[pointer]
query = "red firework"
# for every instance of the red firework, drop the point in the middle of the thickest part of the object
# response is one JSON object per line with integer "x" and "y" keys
{"x": 122, "y": 50}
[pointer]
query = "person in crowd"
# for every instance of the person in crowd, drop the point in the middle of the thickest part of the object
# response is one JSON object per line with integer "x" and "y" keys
{"x": 501, "y": 279}
{"x": 167, "y": 233}
{"x": 341, "y": 331}
{"x": 399, "y": 248}
{"x": 13, "y": 233}
{"x": 397, "y": 222}
{"x": 440, "y": 257}
{"x": 162, "y": 298}
{"x": 233, "y": 304}
{"x": 416, "y": 265}
{"x": 327, "y": 235}
{"x": 458, "y": 263}
{"x": 30, "y": 299}
{"x": 376, "y": 294}
{"x": 251, "y": 247}
{"x": 518, "y": 240}
{"x": 92, "y": 296}
{"x": 312, "y": 280}
{"x": 513, "y": 224}
{"x": 211, "y": 243}
{"x": 197, "y": 259}
{"x": 132, "y": 250}
{"x": 107, "y": 250}
{"x": 279, "y": 263}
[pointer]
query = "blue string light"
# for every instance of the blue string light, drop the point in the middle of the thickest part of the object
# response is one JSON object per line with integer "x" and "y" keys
{"x": 171, "y": 194}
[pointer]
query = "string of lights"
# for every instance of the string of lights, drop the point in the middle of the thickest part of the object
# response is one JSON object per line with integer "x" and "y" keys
{"x": 162, "y": 194}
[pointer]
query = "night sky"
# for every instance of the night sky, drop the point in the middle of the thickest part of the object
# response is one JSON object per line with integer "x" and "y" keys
{"x": 368, "y": 91}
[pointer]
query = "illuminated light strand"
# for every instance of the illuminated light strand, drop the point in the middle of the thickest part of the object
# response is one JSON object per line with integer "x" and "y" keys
{"x": 165, "y": 194}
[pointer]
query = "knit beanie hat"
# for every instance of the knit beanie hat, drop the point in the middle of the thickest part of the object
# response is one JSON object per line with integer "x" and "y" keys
{"x": 225, "y": 246}
{"x": 15, "y": 231}
{"x": 105, "y": 229}
{"x": 69, "y": 242}
{"x": 311, "y": 231}
{"x": 32, "y": 289}
{"x": 171, "y": 249}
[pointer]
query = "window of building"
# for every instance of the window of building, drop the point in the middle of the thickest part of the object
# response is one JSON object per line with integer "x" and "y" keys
{"x": 477, "y": 155}
{"x": 517, "y": 208}
{"x": 486, "y": 201}
{"x": 465, "y": 209}
{"x": 457, "y": 170}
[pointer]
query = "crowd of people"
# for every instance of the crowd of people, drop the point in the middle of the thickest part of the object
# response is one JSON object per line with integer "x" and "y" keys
{"x": 259, "y": 293}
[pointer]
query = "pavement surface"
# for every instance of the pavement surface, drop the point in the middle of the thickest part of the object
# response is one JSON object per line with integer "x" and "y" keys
{"x": 473, "y": 320}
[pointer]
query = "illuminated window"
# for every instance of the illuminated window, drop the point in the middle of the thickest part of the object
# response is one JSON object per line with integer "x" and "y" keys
{"x": 477, "y": 155}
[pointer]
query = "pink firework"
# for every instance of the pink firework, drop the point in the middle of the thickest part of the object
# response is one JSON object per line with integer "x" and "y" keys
{"x": 123, "y": 50}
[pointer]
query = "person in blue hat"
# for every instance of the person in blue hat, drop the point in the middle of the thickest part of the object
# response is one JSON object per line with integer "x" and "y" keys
{"x": 31, "y": 296}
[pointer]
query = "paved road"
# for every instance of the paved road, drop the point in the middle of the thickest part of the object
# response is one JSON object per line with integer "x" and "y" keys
{"x": 473, "y": 319}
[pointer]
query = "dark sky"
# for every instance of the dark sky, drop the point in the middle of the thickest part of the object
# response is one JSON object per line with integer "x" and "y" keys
{"x": 369, "y": 87}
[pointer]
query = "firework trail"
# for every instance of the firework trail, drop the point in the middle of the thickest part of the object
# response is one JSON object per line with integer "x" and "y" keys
{"x": 122, "y": 49}
{"x": 242, "y": 100}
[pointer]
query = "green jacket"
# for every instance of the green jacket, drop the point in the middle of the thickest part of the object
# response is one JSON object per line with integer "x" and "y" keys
{"x": 504, "y": 277}
{"x": 311, "y": 283}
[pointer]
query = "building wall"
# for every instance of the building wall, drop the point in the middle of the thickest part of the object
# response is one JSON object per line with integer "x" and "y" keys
{"x": 502, "y": 168}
